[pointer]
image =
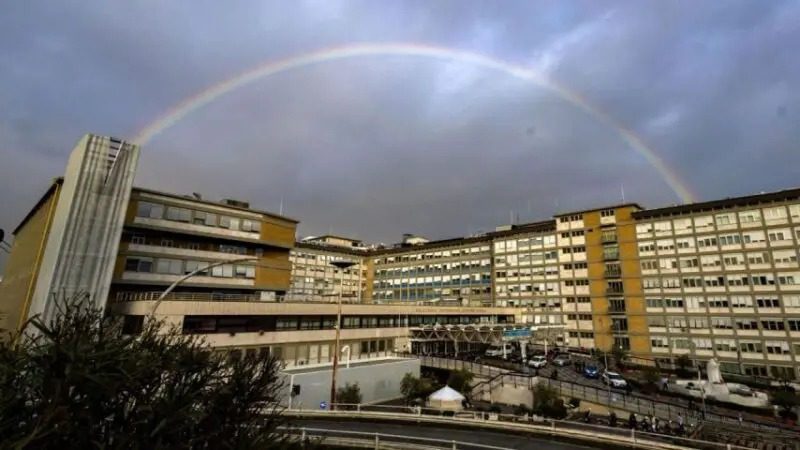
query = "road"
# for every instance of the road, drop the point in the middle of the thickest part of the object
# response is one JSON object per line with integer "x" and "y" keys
{"x": 477, "y": 436}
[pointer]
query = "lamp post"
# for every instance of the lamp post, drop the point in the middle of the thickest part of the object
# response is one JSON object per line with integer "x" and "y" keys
{"x": 341, "y": 264}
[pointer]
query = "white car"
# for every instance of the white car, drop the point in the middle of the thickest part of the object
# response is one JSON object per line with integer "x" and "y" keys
{"x": 537, "y": 362}
{"x": 614, "y": 379}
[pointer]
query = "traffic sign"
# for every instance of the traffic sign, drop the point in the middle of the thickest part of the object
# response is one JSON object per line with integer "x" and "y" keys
{"x": 517, "y": 333}
{"x": 323, "y": 405}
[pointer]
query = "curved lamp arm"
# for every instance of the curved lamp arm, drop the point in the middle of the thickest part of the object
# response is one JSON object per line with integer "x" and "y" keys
{"x": 190, "y": 275}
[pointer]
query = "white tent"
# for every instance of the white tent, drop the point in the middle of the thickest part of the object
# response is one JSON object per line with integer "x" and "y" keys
{"x": 446, "y": 398}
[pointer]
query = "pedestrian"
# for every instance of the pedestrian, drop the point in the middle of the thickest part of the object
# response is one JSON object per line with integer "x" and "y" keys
{"x": 654, "y": 424}
{"x": 632, "y": 421}
{"x": 612, "y": 419}
{"x": 628, "y": 388}
{"x": 587, "y": 416}
{"x": 740, "y": 418}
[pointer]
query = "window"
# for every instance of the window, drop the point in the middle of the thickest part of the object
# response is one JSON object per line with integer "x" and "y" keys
{"x": 137, "y": 239}
{"x": 762, "y": 280}
{"x": 607, "y": 213}
{"x": 251, "y": 225}
{"x": 730, "y": 239}
{"x": 772, "y": 325}
{"x": 199, "y": 218}
{"x": 758, "y": 258}
{"x": 169, "y": 266}
{"x": 150, "y": 210}
{"x": 138, "y": 264}
{"x": 649, "y": 264}
{"x": 725, "y": 219}
{"x": 179, "y": 214}
{"x": 753, "y": 237}
{"x": 741, "y": 301}
{"x": 775, "y": 214}
{"x": 749, "y": 217}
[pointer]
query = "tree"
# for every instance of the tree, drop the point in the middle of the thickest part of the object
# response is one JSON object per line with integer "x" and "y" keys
{"x": 620, "y": 355}
{"x": 78, "y": 382}
{"x": 683, "y": 363}
{"x": 460, "y": 380}
{"x": 651, "y": 376}
{"x": 350, "y": 394}
{"x": 547, "y": 402}
{"x": 414, "y": 388}
{"x": 786, "y": 400}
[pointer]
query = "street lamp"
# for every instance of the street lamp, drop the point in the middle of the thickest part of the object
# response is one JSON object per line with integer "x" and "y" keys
{"x": 341, "y": 264}
{"x": 193, "y": 273}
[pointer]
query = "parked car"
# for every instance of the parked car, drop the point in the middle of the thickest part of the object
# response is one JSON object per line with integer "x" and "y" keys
{"x": 537, "y": 362}
{"x": 614, "y": 379}
{"x": 591, "y": 371}
{"x": 562, "y": 360}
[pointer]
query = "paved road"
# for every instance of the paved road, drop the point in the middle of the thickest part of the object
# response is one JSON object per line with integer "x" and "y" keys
{"x": 463, "y": 435}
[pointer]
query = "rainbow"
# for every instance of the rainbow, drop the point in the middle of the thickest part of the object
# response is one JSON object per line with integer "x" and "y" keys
{"x": 203, "y": 98}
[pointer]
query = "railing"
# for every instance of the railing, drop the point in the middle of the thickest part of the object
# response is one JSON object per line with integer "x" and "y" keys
{"x": 619, "y": 400}
{"x": 494, "y": 421}
{"x": 223, "y": 297}
{"x": 345, "y": 438}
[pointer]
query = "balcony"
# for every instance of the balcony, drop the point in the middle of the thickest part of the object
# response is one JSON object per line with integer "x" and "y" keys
{"x": 615, "y": 308}
{"x": 608, "y": 238}
{"x": 613, "y": 273}
{"x": 610, "y": 254}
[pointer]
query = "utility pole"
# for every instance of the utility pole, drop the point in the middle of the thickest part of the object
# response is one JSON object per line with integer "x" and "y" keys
{"x": 341, "y": 264}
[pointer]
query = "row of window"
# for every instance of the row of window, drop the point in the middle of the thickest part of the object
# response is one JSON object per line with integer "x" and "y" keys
{"x": 196, "y": 217}
{"x": 171, "y": 266}
{"x": 776, "y": 214}
{"x": 430, "y": 294}
{"x": 726, "y": 345}
{"x": 783, "y": 279}
{"x": 434, "y": 268}
{"x": 735, "y": 302}
{"x": 680, "y": 323}
{"x": 780, "y": 237}
{"x": 715, "y": 263}
{"x": 432, "y": 255}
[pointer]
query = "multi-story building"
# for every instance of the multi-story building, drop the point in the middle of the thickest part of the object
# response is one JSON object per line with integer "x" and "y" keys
{"x": 452, "y": 270}
{"x": 714, "y": 279}
{"x": 315, "y": 278}
{"x": 168, "y": 236}
{"x": 721, "y": 279}
{"x": 218, "y": 269}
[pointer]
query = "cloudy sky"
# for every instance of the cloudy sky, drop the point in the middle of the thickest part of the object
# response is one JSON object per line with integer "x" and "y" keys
{"x": 377, "y": 146}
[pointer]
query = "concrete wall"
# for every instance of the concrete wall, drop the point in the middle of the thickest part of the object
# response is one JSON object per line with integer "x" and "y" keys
{"x": 378, "y": 381}
{"x": 87, "y": 224}
{"x": 23, "y": 265}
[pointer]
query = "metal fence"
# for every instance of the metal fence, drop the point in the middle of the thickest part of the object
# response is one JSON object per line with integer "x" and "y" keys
{"x": 504, "y": 422}
{"x": 616, "y": 399}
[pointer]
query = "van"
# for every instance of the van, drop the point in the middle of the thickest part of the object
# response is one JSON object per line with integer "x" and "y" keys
{"x": 496, "y": 350}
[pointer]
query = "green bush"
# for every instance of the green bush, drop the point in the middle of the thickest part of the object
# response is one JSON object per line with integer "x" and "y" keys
{"x": 460, "y": 380}
{"x": 79, "y": 383}
{"x": 547, "y": 402}
{"x": 349, "y": 394}
{"x": 522, "y": 410}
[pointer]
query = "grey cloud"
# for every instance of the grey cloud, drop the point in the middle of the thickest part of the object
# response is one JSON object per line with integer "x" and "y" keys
{"x": 375, "y": 147}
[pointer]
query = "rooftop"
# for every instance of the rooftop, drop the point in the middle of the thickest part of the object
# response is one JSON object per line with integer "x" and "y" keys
{"x": 731, "y": 202}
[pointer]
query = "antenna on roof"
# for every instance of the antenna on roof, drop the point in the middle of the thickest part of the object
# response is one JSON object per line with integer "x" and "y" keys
{"x": 622, "y": 191}
{"x": 280, "y": 209}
